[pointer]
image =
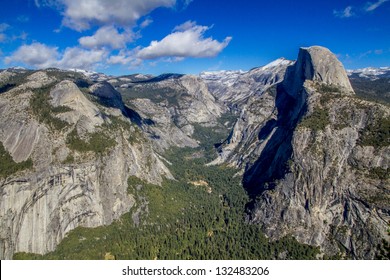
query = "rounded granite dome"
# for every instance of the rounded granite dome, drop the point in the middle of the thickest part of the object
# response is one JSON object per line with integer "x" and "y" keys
{"x": 317, "y": 64}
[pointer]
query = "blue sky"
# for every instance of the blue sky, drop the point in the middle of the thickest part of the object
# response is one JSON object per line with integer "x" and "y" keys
{"x": 188, "y": 36}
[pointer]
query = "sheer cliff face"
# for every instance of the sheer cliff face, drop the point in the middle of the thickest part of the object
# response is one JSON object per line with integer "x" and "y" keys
{"x": 320, "y": 65}
{"x": 252, "y": 95}
{"x": 82, "y": 154}
{"x": 312, "y": 158}
{"x": 334, "y": 192}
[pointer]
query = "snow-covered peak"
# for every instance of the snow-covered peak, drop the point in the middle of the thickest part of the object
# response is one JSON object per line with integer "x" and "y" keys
{"x": 86, "y": 72}
{"x": 223, "y": 74}
{"x": 225, "y": 77}
{"x": 92, "y": 75}
{"x": 371, "y": 72}
{"x": 277, "y": 63}
{"x": 18, "y": 68}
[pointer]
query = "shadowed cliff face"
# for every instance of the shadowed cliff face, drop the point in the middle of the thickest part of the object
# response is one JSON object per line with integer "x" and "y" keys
{"x": 307, "y": 180}
{"x": 302, "y": 144}
{"x": 316, "y": 64}
{"x": 271, "y": 164}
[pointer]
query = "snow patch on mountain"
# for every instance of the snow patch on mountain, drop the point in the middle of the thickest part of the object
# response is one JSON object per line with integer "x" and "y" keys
{"x": 371, "y": 72}
{"x": 95, "y": 76}
{"x": 276, "y": 63}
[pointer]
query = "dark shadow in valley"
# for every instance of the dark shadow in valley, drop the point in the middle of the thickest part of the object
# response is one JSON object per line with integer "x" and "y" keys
{"x": 267, "y": 129}
{"x": 6, "y": 87}
{"x": 161, "y": 77}
{"x": 114, "y": 100}
{"x": 136, "y": 118}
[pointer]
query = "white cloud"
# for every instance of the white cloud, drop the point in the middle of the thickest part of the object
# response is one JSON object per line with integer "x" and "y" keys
{"x": 22, "y": 36}
{"x": 182, "y": 4}
{"x": 39, "y": 55}
{"x": 346, "y": 13}
{"x": 81, "y": 14}
{"x": 146, "y": 23}
{"x": 42, "y": 3}
{"x": 2, "y": 37}
{"x": 352, "y": 11}
{"x": 186, "y": 26}
{"x": 187, "y": 40}
{"x": 35, "y": 55}
{"x": 126, "y": 57}
{"x": 373, "y": 6}
{"x": 82, "y": 59}
{"x": 107, "y": 36}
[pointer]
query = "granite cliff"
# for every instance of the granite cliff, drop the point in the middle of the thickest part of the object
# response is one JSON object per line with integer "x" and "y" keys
{"x": 315, "y": 158}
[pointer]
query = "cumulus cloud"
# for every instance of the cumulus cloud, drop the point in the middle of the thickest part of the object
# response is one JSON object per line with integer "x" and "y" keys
{"x": 346, "y": 13}
{"x": 81, "y": 14}
{"x": 39, "y": 55}
{"x": 35, "y": 55}
{"x": 373, "y": 6}
{"x": 187, "y": 40}
{"x": 80, "y": 58}
{"x": 126, "y": 57}
{"x": 106, "y": 36}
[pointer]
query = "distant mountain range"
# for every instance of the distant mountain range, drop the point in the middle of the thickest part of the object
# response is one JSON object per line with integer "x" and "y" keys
{"x": 370, "y": 73}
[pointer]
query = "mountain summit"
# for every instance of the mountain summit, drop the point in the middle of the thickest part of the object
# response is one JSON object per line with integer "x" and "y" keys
{"x": 318, "y": 64}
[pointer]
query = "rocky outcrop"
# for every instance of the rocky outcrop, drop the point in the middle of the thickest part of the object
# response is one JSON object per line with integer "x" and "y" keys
{"x": 330, "y": 195}
{"x": 235, "y": 87}
{"x": 172, "y": 105}
{"x": 327, "y": 195}
{"x": 39, "y": 209}
{"x": 320, "y": 65}
{"x": 108, "y": 95}
{"x": 67, "y": 94}
{"x": 66, "y": 187}
{"x": 308, "y": 163}
{"x": 253, "y": 95}
{"x": 164, "y": 132}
